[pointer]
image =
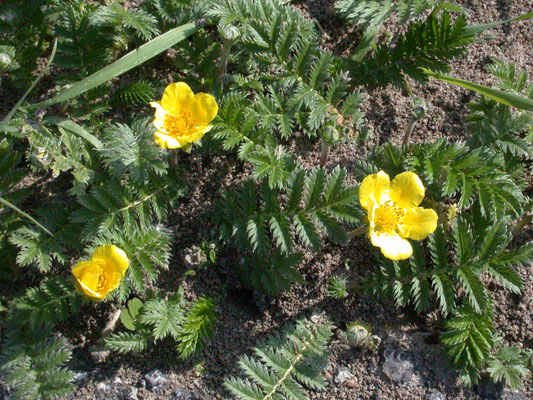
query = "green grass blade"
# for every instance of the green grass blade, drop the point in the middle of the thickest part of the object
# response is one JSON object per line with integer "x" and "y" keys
{"x": 3, "y": 124}
{"x": 14, "y": 207}
{"x": 500, "y": 96}
{"x": 129, "y": 61}
{"x": 475, "y": 29}
{"x": 81, "y": 132}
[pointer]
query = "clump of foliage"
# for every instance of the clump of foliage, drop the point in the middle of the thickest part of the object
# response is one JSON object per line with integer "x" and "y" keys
{"x": 266, "y": 228}
{"x": 478, "y": 188}
{"x": 157, "y": 318}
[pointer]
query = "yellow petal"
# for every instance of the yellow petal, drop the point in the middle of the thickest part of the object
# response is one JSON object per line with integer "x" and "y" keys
{"x": 392, "y": 246}
{"x": 374, "y": 190}
{"x": 159, "y": 125}
{"x": 159, "y": 110}
{"x": 407, "y": 190}
{"x": 113, "y": 281}
{"x": 193, "y": 137}
{"x": 418, "y": 223}
{"x": 165, "y": 141}
{"x": 115, "y": 259}
{"x": 87, "y": 274}
{"x": 176, "y": 96}
{"x": 79, "y": 267}
{"x": 204, "y": 109}
{"x": 84, "y": 289}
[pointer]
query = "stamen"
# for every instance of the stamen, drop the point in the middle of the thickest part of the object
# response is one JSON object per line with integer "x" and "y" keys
{"x": 102, "y": 279}
{"x": 179, "y": 124}
{"x": 387, "y": 217}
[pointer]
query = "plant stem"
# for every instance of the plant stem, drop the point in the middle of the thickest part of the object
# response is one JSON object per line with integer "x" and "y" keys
{"x": 110, "y": 326}
{"x": 25, "y": 215}
{"x": 358, "y": 232}
{"x": 98, "y": 352}
{"x": 174, "y": 159}
{"x": 407, "y": 87}
{"x": 325, "y": 148}
{"x": 526, "y": 219}
{"x": 409, "y": 130}
{"x": 223, "y": 63}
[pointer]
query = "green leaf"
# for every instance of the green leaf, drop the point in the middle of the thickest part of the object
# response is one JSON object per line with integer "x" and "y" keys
{"x": 288, "y": 362}
{"x": 53, "y": 301}
{"x": 8, "y": 204}
{"x": 129, "y": 61}
{"x": 509, "y": 364}
{"x": 197, "y": 327}
{"x": 127, "y": 320}
{"x": 474, "y": 288}
{"x": 337, "y": 287}
{"x": 475, "y": 29}
{"x": 164, "y": 316}
{"x": 81, "y": 132}
{"x": 468, "y": 340}
{"x": 33, "y": 363}
{"x": 128, "y": 315}
{"x": 500, "y": 96}
{"x": 125, "y": 342}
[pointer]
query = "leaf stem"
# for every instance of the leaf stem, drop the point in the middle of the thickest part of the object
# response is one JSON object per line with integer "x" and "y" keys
{"x": 357, "y": 232}
{"x": 110, "y": 326}
{"x": 174, "y": 160}
{"x": 409, "y": 130}
{"x": 227, "y": 44}
{"x": 8, "y": 204}
{"x": 526, "y": 218}
{"x": 291, "y": 368}
{"x": 325, "y": 149}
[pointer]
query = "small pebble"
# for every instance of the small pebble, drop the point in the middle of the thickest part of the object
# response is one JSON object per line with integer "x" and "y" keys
{"x": 80, "y": 376}
{"x": 435, "y": 395}
{"x": 398, "y": 368}
{"x": 99, "y": 354}
{"x": 182, "y": 394}
{"x": 352, "y": 382}
{"x": 156, "y": 381}
{"x": 343, "y": 374}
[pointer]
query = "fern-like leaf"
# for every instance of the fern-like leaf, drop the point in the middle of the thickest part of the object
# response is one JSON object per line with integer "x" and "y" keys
{"x": 284, "y": 364}
{"x": 197, "y": 327}
{"x": 469, "y": 339}
{"x": 164, "y": 316}
{"x": 128, "y": 342}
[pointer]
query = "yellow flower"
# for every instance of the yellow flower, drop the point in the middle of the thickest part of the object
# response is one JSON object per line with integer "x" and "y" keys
{"x": 101, "y": 275}
{"x": 393, "y": 212}
{"x": 182, "y": 117}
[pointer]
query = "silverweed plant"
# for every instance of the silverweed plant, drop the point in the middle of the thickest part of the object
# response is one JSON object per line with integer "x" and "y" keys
{"x": 250, "y": 84}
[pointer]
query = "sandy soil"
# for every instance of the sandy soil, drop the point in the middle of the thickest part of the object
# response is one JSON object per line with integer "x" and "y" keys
{"x": 246, "y": 318}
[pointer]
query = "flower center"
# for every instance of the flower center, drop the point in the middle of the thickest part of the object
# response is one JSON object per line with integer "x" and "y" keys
{"x": 102, "y": 280}
{"x": 179, "y": 124}
{"x": 387, "y": 217}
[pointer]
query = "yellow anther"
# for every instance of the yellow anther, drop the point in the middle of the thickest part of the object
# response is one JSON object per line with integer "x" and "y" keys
{"x": 179, "y": 124}
{"x": 387, "y": 217}
{"x": 102, "y": 279}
